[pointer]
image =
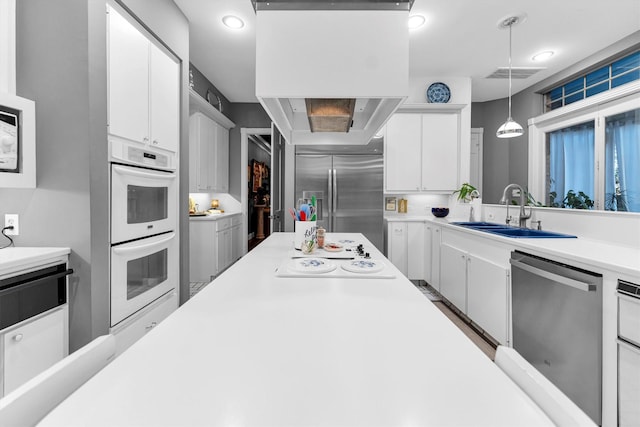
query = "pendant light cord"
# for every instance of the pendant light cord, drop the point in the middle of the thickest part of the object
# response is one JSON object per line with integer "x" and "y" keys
{"x": 510, "y": 26}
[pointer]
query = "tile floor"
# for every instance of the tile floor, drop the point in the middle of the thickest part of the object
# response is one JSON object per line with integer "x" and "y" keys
{"x": 433, "y": 295}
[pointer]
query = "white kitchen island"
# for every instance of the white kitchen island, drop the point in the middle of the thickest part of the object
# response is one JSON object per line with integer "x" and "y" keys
{"x": 254, "y": 349}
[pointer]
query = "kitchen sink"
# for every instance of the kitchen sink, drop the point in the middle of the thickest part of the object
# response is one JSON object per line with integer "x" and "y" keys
{"x": 504, "y": 230}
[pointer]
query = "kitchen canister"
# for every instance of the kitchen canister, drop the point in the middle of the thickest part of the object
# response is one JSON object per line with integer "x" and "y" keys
{"x": 305, "y": 235}
{"x": 402, "y": 206}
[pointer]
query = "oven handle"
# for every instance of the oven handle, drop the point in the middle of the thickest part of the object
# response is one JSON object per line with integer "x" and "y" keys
{"x": 138, "y": 248}
{"x": 34, "y": 282}
{"x": 143, "y": 174}
{"x": 582, "y": 286}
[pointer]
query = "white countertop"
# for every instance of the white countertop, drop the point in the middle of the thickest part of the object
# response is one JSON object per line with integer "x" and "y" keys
{"x": 213, "y": 217}
{"x": 591, "y": 252}
{"x": 14, "y": 259}
{"x": 253, "y": 349}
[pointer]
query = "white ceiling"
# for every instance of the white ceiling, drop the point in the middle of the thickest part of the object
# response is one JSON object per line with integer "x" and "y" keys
{"x": 460, "y": 38}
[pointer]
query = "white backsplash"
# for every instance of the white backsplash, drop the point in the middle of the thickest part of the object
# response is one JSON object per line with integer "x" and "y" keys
{"x": 227, "y": 202}
{"x": 615, "y": 227}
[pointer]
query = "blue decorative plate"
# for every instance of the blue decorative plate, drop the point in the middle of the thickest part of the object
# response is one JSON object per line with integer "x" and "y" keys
{"x": 363, "y": 266}
{"x": 312, "y": 265}
{"x": 438, "y": 93}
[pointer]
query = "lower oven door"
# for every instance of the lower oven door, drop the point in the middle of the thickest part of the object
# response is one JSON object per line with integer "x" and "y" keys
{"x": 141, "y": 272}
{"x": 143, "y": 202}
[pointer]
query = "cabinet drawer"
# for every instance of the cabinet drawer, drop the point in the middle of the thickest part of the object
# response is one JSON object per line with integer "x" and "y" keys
{"x": 236, "y": 220}
{"x": 629, "y": 318}
{"x": 33, "y": 346}
{"x": 131, "y": 331}
{"x": 628, "y": 385}
{"x": 223, "y": 224}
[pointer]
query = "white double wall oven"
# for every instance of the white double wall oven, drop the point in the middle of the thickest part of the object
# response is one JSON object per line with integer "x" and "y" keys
{"x": 144, "y": 221}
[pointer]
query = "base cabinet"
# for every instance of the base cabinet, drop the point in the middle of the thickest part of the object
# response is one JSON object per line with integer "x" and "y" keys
{"x": 488, "y": 296}
{"x": 432, "y": 255}
{"x": 477, "y": 285}
{"x": 32, "y": 346}
{"x": 213, "y": 246}
{"x": 453, "y": 276}
{"x": 144, "y": 321}
{"x": 397, "y": 245}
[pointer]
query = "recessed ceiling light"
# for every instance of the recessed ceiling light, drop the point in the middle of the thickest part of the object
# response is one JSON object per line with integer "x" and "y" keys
{"x": 542, "y": 56}
{"x": 233, "y": 22}
{"x": 416, "y": 21}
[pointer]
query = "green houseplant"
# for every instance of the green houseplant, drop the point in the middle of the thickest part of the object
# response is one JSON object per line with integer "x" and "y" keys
{"x": 466, "y": 192}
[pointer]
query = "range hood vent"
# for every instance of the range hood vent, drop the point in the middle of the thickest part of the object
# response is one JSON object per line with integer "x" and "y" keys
{"x": 516, "y": 73}
{"x": 330, "y": 115}
{"x": 331, "y": 76}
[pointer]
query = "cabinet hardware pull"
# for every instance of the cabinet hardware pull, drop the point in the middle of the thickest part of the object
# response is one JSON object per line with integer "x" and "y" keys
{"x": 151, "y": 326}
{"x": 18, "y": 337}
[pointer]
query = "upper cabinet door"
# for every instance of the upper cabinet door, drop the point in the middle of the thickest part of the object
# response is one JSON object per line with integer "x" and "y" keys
{"x": 165, "y": 100}
{"x": 222, "y": 159}
{"x": 128, "y": 78}
{"x": 402, "y": 150}
{"x": 440, "y": 159}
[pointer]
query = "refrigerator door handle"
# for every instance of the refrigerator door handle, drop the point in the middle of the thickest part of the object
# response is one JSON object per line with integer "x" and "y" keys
{"x": 330, "y": 200}
{"x": 335, "y": 191}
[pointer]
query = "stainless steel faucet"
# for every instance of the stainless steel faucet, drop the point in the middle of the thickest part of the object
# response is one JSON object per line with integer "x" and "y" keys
{"x": 507, "y": 195}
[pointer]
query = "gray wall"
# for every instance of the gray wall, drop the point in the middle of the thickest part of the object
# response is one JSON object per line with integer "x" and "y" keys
{"x": 244, "y": 115}
{"x": 61, "y": 65}
{"x": 201, "y": 85}
{"x": 506, "y": 161}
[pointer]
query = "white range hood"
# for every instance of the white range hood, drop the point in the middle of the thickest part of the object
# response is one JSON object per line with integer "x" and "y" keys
{"x": 331, "y": 59}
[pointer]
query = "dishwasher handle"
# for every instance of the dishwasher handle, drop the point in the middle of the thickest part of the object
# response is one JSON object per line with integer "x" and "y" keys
{"x": 577, "y": 284}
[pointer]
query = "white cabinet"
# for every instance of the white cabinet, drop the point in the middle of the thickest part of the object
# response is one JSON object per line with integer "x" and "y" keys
{"x": 397, "y": 245}
{"x": 478, "y": 285}
{"x": 487, "y": 296}
{"x": 202, "y": 250}
{"x": 406, "y": 248}
{"x": 422, "y": 151}
{"x": 145, "y": 320}
{"x": 33, "y": 346}
{"x": 213, "y": 246}
{"x": 236, "y": 238}
{"x": 143, "y": 87}
{"x": 402, "y": 153}
{"x": 208, "y": 155}
{"x": 208, "y": 147}
{"x": 453, "y": 275}
{"x": 415, "y": 251}
{"x": 221, "y": 159}
{"x": 432, "y": 254}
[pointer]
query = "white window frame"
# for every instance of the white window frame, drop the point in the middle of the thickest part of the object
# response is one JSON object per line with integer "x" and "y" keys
{"x": 595, "y": 108}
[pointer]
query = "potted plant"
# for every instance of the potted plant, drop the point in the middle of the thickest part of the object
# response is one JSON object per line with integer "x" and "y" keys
{"x": 466, "y": 193}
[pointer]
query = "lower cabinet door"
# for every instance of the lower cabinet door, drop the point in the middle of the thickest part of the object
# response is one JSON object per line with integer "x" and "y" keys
{"x": 397, "y": 245}
{"x": 415, "y": 251}
{"x": 453, "y": 276}
{"x": 628, "y": 385}
{"x": 34, "y": 346}
{"x": 487, "y": 296}
{"x": 202, "y": 251}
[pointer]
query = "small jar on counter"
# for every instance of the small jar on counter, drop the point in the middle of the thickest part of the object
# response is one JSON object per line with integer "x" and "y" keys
{"x": 320, "y": 236}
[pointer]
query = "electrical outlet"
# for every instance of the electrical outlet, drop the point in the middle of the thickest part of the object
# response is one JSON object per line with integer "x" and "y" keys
{"x": 12, "y": 219}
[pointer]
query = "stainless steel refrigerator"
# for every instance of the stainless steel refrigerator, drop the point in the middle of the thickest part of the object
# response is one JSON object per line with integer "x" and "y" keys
{"x": 348, "y": 184}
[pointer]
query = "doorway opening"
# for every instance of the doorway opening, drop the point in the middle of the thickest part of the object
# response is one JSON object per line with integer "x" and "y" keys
{"x": 258, "y": 188}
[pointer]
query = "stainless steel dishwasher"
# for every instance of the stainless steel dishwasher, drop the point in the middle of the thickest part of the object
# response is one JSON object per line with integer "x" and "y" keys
{"x": 557, "y": 326}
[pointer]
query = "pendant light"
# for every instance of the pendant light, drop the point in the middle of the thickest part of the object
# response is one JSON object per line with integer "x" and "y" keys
{"x": 510, "y": 128}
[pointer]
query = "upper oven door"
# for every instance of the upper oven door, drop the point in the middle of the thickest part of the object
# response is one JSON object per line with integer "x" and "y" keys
{"x": 141, "y": 272}
{"x": 142, "y": 202}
